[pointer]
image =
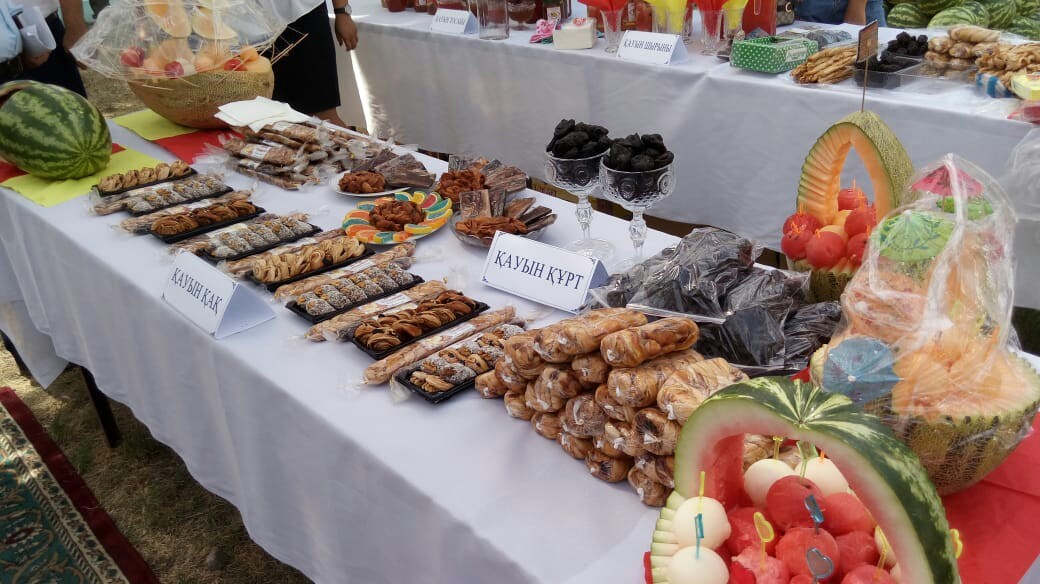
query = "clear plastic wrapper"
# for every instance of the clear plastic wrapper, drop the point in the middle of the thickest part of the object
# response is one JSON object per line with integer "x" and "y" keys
{"x": 926, "y": 339}
{"x": 143, "y": 224}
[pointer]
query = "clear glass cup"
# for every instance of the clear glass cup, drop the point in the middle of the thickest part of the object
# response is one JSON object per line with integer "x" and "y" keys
{"x": 636, "y": 192}
{"x": 520, "y": 11}
{"x": 580, "y": 177}
{"x": 668, "y": 21}
{"x": 712, "y": 39}
{"x": 612, "y": 32}
{"x": 493, "y": 17}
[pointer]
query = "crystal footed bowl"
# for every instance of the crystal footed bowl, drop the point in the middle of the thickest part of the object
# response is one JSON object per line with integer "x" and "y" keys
{"x": 576, "y": 175}
{"x": 638, "y": 189}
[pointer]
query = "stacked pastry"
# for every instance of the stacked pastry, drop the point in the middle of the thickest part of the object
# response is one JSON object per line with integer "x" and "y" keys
{"x": 308, "y": 258}
{"x": 463, "y": 361}
{"x": 354, "y": 289}
{"x": 142, "y": 224}
{"x": 399, "y": 254}
{"x": 178, "y": 223}
{"x": 610, "y": 388}
{"x": 121, "y": 181}
{"x": 389, "y": 331}
{"x": 243, "y": 239}
{"x": 161, "y": 196}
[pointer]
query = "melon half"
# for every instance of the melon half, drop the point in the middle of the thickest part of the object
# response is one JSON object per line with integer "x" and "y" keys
{"x": 884, "y": 473}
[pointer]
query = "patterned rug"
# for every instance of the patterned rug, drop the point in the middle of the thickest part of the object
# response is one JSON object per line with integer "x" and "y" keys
{"x": 52, "y": 529}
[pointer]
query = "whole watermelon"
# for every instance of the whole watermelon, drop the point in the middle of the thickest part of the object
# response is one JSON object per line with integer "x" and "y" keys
{"x": 51, "y": 132}
{"x": 907, "y": 16}
{"x": 1028, "y": 8}
{"x": 969, "y": 13}
{"x": 933, "y": 7}
{"x": 1027, "y": 27}
{"x": 1001, "y": 12}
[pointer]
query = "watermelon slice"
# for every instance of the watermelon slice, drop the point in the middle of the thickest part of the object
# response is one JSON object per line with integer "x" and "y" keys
{"x": 883, "y": 472}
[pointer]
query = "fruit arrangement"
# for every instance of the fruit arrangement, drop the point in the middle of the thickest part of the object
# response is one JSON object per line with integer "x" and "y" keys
{"x": 926, "y": 341}
{"x": 862, "y": 511}
{"x": 1020, "y": 17}
{"x": 51, "y": 132}
{"x": 830, "y": 231}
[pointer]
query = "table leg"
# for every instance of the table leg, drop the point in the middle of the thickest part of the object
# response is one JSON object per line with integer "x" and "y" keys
{"x": 103, "y": 409}
{"x": 17, "y": 358}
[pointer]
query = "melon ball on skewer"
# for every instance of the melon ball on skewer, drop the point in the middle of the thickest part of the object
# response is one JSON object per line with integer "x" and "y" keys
{"x": 713, "y": 517}
{"x": 761, "y": 475}
{"x": 689, "y": 567}
{"x": 826, "y": 475}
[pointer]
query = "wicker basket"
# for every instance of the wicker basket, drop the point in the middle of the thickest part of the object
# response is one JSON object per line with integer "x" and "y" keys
{"x": 192, "y": 101}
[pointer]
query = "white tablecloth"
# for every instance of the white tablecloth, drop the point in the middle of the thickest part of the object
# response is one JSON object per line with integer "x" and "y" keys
{"x": 338, "y": 482}
{"x": 740, "y": 137}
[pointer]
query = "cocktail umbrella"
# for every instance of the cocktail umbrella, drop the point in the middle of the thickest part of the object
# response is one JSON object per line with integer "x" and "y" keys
{"x": 944, "y": 183}
{"x": 912, "y": 236}
{"x": 860, "y": 368}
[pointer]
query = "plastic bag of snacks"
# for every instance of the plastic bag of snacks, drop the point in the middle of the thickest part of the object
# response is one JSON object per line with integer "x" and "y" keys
{"x": 184, "y": 58}
{"x": 926, "y": 339}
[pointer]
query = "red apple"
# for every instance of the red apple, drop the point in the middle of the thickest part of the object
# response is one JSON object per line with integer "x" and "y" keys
{"x": 861, "y": 220}
{"x": 824, "y": 249}
{"x": 804, "y": 220}
{"x": 794, "y": 241}
{"x": 857, "y": 247}
{"x": 174, "y": 69}
{"x": 132, "y": 56}
{"x": 233, "y": 64}
{"x": 851, "y": 198}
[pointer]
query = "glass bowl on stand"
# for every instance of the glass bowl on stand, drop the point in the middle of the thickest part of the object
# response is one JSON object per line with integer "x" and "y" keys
{"x": 636, "y": 191}
{"x": 580, "y": 177}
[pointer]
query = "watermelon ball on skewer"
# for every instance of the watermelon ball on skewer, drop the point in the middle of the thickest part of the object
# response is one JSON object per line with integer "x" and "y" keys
{"x": 825, "y": 474}
{"x": 856, "y": 549}
{"x": 824, "y": 249}
{"x": 861, "y": 220}
{"x": 857, "y": 248}
{"x": 845, "y": 514}
{"x": 803, "y": 221}
{"x": 764, "y": 570}
{"x": 793, "y": 242}
{"x": 851, "y": 198}
{"x": 793, "y": 545}
{"x": 743, "y": 533}
{"x": 786, "y": 502}
{"x": 868, "y": 575}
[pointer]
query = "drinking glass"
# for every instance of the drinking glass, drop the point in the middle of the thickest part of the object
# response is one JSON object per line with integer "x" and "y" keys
{"x": 711, "y": 32}
{"x": 580, "y": 177}
{"x": 668, "y": 21}
{"x": 636, "y": 192}
{"x": 520, "y": 11}
{"x": 612, "y": 28}
{"x": 492, "y": 15}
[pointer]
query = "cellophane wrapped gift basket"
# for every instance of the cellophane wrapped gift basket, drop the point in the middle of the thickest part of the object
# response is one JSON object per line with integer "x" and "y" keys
{"x": 185, "y": 58}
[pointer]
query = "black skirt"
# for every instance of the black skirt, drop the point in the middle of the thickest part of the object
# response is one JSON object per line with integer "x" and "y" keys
{"x": 305, "y": 77}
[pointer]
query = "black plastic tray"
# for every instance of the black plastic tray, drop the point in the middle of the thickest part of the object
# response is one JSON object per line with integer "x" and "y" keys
{"x": 272, "y": 286}
{"x": 377, "y": 355}
{"x": 888, "y": 79}
{"x": 216, "y": 193}
{"x": 301, "y": 312}
{"x": 215, "y": 260}
{"x": 169, "y": 239}
{"x": 433, "y": 398}
{"x": 191, "y": 172}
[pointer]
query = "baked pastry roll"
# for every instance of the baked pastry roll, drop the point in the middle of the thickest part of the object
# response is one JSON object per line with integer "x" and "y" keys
{"x": 547, "y": 425}
{"x": 569, "y": 338}
{"x": 624, "y": 437}
{"x": 582, "y": 416}
{"x": 659, "y": 433}
{"x": 651, "y": 492}
{"x": 638, "y": 386}
{"x": 516, "y": 405}
{"x": 591, "y": 368}
{"x": 577, "y": 447}
{"x": 605, "y": 468}
{"x": 611, "y": 407}
{"x": 691, "y": 384}
{"x": 635, "y": 346}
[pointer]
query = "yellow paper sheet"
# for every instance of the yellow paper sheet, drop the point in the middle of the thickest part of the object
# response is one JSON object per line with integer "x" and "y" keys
{"x": 151, "y": 126}
{"x": 48, "y": 192}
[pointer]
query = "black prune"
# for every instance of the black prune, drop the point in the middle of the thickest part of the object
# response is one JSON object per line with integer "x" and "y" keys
{"x": 664, "y": 159}
{"x": 562, "y": 128}
{"x": 632, "y": 141}
{"x": 590, "y": 149}
{"x": 642, "y": 163}
{"x": 579, "y": 138}
{"x": 653, "y": 141}
{"x": 597, "y": 131}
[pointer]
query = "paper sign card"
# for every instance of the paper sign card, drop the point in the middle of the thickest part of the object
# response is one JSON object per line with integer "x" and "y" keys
{"x": 868, "y": 42}
{"x": 454, "y": 22}
{"x": 211, "y": 299}
{"x": 650, "y": 47}
{"x": 540, "y": 272}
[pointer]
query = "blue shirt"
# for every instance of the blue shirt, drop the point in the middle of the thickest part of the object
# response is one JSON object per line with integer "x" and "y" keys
{"x": 10, "y": 36}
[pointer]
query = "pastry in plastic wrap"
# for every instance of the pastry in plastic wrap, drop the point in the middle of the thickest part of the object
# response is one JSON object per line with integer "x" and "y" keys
{"x": 659, "y": 433}
{"x": 650, "y": 492}
{"x": 635, "y": 346}
{"x": 540, "y": 399}
{"x": 547, "y": 425}
{"x": 685, "y": 389}
{"x": 605, "y": 468}
{"x": 521, "y": 356}
{"x": 582, "y": 416}
{"x": 660, "y": 469}
{"x": 338, "y": 327}
{"x": 591, "y": 369}
{"x": 382, "y": 370}
{"x": 606, "y": 446}
{"x": 611, "y": 407}
{"x": 396, "y": 254}
{"x": 638, "y": 386}
{"x": 575, "y": 336}
{"x": 509, "y": 377}
{"x": 624, "y": 437}
{"x": 577, "y": 447}
{"x": 561, "y": 382}
{"x": 488, "y": 385}
{"x": 516, "y": 405}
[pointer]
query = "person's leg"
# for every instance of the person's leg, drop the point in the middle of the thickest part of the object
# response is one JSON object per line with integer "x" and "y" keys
{"x": 876, "y": 11}
{"x": 331, "y": 116}
{"x": 305, "y": 77}
{"x": 60, "y": 68}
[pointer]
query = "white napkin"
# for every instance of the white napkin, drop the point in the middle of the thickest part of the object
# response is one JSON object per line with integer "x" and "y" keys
{"x": 258, "y": 112}
{"x": 36, "y": 35}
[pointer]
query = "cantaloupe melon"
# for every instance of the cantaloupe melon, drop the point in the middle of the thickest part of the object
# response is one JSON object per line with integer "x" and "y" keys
{"x": 210, "y": 25}
{"x": 170, "y": 15}
{"x": 886, "y": 161}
